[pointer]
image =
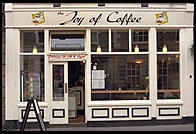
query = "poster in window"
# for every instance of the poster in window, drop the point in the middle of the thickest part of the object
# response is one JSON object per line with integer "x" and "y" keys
{"x": 32, "y": 84}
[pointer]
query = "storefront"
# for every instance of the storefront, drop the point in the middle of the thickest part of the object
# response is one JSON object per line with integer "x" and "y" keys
{"x": 85, "y": 63}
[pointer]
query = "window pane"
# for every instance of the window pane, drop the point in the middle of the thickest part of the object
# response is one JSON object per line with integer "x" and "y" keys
{"x": 170, "y": 38}
{"x": 120, "y": 41}
{"x": 67, "y": 42}
{"x": 30, "y": 40}
{"x": 58, "y": 82}
{"x": 168, "y": 76}
{"x": 32, "y": 77}
{"x": 119, "y": 77}
{"x": 99, "y": 37}
{"x": 140, "y": 38}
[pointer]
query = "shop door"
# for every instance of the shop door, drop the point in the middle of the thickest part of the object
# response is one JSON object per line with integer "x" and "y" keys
{"x": 59, "y": 92}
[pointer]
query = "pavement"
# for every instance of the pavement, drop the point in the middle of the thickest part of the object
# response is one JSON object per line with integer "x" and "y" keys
{"x": 178, "y": 127}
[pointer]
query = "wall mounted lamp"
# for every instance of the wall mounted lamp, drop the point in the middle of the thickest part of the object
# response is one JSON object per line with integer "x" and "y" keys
{"x": 164, "y": 48}
{"x": 98, "y": 49}
{"x": 34, "y": 50}
{"x": 136, "y": 49}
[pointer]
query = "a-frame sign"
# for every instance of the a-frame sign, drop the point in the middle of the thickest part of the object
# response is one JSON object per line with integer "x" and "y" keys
{"x": 37, "y": 113}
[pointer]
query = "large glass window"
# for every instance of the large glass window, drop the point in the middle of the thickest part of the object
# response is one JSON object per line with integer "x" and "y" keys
{"x": 140, "y": 40}
{"x": 168, "y": 38}
{"x": 30, "y": 40}
{"x": 32, "y": 77}
{"x": 120, "y": 77}
{"x": 67, "y": 42}
{"x": 31, "y": 65}
{"x": 168, "y": 69}
{"x": 120, "y": 40}
{"x": 168, "y": 76}
{"x": 99, "y": 38}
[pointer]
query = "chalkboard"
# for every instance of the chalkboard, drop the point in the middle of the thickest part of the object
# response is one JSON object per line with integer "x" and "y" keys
{"x": 37, "y": 113}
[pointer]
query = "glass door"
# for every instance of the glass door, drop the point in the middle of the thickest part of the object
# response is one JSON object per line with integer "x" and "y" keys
{"x": 59, "y": 91}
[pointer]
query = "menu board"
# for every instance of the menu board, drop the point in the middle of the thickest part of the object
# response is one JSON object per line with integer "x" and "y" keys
{"x": 98, "y": 79}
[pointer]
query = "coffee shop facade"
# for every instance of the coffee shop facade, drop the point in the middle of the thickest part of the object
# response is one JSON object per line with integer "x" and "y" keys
{"x": 114, "y": 62}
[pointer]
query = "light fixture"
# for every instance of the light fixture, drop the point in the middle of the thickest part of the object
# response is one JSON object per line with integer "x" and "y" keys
{"x": 34, "y": 50}
{"x": 144, "y": 4}
{"x": 164, "y": 48}
{"x": 162, "y": 61}
{"x": 98, "y": 49}
{"x": 169, "y": 58}
{"x": 136, "y": 49}
{"x": 56, "y": 4}
{"x": 138, "y": 61}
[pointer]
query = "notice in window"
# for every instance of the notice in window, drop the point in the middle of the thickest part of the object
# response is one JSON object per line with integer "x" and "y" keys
{"x": 98, "y": 84}
{"x": 98, "y": 74}
{"x": 98, "y": 81}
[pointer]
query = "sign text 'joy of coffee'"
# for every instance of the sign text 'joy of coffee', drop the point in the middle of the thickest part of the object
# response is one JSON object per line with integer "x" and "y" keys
{"x": 113, "y": 17}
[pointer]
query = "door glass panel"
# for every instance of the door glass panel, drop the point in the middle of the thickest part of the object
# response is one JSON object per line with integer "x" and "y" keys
{"x": 58, "y": 82}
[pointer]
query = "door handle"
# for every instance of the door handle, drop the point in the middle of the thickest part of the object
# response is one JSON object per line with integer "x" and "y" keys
{"x": 65, "y": 87}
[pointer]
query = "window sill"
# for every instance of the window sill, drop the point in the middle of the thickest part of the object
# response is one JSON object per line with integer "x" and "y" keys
{"x": 119, "y": 103}
{"x": 24, "y": 104}
{"x": 169, "y": 102}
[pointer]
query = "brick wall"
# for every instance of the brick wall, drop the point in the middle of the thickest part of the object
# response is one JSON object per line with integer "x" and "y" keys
{"x": 3, "y": 67}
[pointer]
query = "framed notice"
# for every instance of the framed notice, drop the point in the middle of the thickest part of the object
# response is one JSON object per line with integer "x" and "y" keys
{"x": 98, "y": 79}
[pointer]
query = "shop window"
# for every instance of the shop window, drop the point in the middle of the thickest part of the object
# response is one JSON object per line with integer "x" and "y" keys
{"x": 67, "y": 42}
{"x": 119, "y": 77}
{"x": 32, "y": 77}
{"x": 168, "y": 76}
{"x": 32, "y": 41}
{"x": 168, "y": 39}
{"x": 99, "y": 38}
{"x": 120, "y": 40}
{"x": 140, "y": 39}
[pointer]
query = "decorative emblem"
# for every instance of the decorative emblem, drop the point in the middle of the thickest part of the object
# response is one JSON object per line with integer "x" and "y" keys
{"x": 162, "y": 18}
{"x": 38, "y": 18}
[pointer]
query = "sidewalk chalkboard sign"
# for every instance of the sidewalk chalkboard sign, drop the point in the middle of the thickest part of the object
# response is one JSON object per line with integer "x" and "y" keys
{"x": 37, "y": 113}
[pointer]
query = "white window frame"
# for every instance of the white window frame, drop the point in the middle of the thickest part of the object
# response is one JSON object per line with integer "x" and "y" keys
{"x": 32, "y": 54}
{"x": 171, "y": 52}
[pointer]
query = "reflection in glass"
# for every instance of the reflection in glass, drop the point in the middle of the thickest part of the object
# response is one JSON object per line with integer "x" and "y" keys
{"x": 32, "y": 77}
{"x": 124, "y": 73}
{"x": 99, "y": 37}
{"x": 168, "y": 76}
{"x": 58, "y": 82}
{"x": 120, "y": 41}
{"x": 30, "y": 40}
{"x": 169, "y": 38}
{"x": 67, "y": 42}
{"x": 140, "y": 40}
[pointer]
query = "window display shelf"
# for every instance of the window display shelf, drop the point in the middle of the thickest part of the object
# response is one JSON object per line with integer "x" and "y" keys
{"x": 133, "y": 91}
{"x": 118, "y": 91}
{"x": 168, "y": 90}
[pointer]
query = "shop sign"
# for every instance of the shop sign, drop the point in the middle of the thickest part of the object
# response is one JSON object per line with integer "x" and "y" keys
{"x": 113, "y": 17}
{"x": 96, "y": 18}
{"x": 65, "y": 57}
